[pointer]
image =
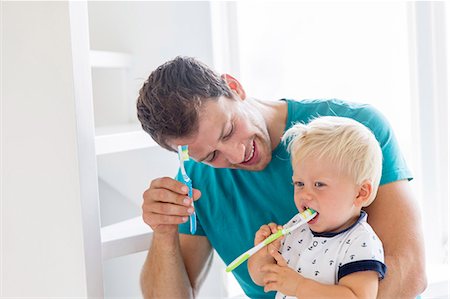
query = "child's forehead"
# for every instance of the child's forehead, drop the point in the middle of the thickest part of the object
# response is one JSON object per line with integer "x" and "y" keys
{"x": 317, "y": 166}
{"x": 311, "y": 160}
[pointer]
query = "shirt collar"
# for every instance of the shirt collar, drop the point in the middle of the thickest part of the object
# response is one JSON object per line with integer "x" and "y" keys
{"x": 362, "y": 217}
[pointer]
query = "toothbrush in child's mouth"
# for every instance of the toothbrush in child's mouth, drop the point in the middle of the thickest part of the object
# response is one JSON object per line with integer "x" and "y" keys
{"x": 306, "y": 216}
{"x": 183, "y": 155}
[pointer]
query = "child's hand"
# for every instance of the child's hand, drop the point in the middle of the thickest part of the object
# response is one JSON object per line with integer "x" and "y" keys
{"x": 263, "y": 257}
{"x": 264, "y": 232}
{"x": 279, "y": 277}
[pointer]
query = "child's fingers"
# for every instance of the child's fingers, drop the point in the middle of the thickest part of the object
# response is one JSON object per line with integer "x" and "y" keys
{"x": 265, "y": 231}
{"x": 262, "y": 233}
{"x": 274, "y": 227}
{"x": 277, "y": 243}
{"x": 269, "y": 268}
{"x": 271, "y": 286}
{"x": 270, "y": 277}
{"x": 274, "y": 246}
{"x": 278, "y": 257}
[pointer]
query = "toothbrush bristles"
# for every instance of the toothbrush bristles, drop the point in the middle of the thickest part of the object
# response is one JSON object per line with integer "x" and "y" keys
{"x": 183, "y": 152}
{"x": 306, "y": 213}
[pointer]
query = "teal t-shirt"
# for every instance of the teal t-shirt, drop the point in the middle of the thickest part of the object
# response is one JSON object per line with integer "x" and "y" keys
{"x": 235, "y": 203}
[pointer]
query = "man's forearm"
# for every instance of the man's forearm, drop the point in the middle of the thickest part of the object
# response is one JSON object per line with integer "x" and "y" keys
{"x": 402, "y": 280}
{"x": 394, "y": 217}
{"x": 164, "y": 269}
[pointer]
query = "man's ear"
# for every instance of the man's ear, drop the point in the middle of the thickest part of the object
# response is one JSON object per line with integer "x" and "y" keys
{"x": 364, "y": 192}
{"x": 234, "y": 85}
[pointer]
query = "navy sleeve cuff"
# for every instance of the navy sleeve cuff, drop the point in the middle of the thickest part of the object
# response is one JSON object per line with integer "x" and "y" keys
{"x": 364, "y": 265}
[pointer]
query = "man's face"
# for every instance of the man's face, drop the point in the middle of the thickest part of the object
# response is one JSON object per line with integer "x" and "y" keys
{"x": 232, "y": 134}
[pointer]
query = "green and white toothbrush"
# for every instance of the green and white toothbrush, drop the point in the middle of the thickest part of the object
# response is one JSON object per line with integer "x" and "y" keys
{"x": 307, "y": 215}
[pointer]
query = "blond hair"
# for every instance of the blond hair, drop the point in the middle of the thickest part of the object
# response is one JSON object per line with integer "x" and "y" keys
{"x": 342, "y": 141}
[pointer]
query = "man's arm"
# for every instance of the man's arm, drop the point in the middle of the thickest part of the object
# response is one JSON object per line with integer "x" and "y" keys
{"x": 166, "y": 274}
{"x": 175, "y": 262}
{"x": 197, "y": 255}
{"x": 395, "y": 217}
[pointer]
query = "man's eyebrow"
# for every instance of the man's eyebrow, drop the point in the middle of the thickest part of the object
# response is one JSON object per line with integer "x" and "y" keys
{"x": 218, "y": 139}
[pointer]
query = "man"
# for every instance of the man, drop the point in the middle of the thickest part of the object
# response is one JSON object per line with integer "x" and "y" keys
{"x": 241, "y": 172}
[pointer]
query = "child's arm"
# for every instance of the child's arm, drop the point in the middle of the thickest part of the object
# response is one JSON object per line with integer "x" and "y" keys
{"x": 263, "y": 257}
{"x": 279, "y": 277}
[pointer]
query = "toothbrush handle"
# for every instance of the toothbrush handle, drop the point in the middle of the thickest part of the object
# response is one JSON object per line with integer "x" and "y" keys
{"x": 307, "y": 215}
{"x": 192, "y": 217}
{"x": 246, "y": 255}
{"x": 188, "y": 183}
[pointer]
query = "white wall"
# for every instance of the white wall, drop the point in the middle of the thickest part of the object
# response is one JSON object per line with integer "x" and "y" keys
{"x": 42, "y": 251}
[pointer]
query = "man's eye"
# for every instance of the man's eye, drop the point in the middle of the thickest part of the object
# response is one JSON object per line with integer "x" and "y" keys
{"x": 229, "y": 133}
{"x": 298, "y": 184}
{"x": 319, "y": 184}
{"x": 212, "y": 157}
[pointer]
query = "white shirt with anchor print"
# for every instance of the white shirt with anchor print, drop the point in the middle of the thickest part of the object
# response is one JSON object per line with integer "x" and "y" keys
{"x": 327, "y": 257}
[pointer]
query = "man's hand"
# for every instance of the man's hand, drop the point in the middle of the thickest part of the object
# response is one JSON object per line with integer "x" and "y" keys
{"x": 173, "y": 259}
{"x": 166, "y": 205}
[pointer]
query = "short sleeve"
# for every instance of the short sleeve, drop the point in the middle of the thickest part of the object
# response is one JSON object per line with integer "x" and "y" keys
{"x": 364, "y": 252}
{"x": 394, "y": 164}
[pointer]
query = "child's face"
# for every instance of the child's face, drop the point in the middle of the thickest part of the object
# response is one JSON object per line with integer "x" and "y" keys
{"x": 318, "y": 184}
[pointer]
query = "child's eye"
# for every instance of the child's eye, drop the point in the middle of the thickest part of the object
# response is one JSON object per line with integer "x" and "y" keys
{"x": 298, "y": 184}
{"x": 319, "y": 184}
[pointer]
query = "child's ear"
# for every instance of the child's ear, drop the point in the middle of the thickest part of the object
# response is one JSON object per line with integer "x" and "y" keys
{"x": 364, "y": 192}
{"x": 234, "y": 85}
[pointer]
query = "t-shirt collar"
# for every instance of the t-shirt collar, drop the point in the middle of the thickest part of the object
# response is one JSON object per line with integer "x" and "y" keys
{"x": 362, "y": 217}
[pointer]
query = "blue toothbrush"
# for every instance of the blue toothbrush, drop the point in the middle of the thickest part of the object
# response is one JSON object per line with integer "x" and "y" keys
{"x": 183, "y": 155}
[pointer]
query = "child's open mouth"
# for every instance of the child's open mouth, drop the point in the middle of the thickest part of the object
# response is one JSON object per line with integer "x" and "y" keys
{"x": 313, "y": 220}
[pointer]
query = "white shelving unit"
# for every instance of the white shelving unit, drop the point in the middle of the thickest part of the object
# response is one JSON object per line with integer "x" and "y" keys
{"x": 114, "y": 139}
{"x": 133, "y": 235}
{"x": 125, "y": 238}
{"x": 127, "y": 158}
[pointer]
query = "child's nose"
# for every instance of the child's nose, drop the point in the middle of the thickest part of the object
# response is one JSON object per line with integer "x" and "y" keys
{"x": 306, "y": 194}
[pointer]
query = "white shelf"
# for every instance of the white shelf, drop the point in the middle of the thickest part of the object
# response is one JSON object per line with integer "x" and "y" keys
{"x": 126, "y": 237}
{"x": 121, "y": 138}
{"x": 107, "y": 59}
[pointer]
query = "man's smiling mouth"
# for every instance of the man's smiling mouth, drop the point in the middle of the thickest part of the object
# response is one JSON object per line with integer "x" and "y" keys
{"x": 251, "y": 153}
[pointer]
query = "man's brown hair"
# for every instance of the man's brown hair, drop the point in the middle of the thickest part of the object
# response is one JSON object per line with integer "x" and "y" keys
{"x": 170, "y": 99}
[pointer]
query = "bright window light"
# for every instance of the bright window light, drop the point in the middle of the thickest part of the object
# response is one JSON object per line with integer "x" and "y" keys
{"x": 352, "y": 51}
{"x": 356, "y": 51}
